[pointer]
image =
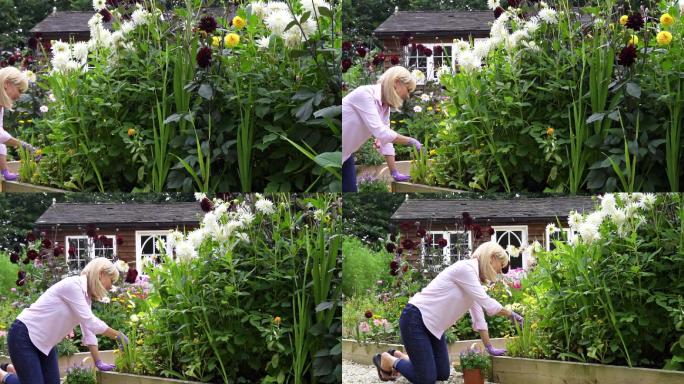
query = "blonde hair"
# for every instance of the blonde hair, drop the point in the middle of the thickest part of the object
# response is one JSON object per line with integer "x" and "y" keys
{"x": 389, "y": 95}
{"x": 484, "y": 254}
{"x": 92, "y": 273}
{"x": 15, "y": 77}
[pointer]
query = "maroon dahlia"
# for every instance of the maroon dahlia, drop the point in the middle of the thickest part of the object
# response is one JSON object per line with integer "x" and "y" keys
{"x": 131, "y": 275}
{"x": 438, "y": 50}
{"x": 207, "y": 24}
{"x": 47, "y": 244}
{"x": 32, "y": 254}
{"x": 347, "y": 46}
{"x": 14, "y": 257}
{"x": 368, "y": 314}
{"x": 361, "y": 51}
{"x": 635, "y": 21}
{"x": 207, "y": 205}
{"x": 33, "y": 43}
{"x": 628, "y": 55}
{"x": 91, "y": 232}
{"x": 21, "y": 275}
{"x": 20, "y": 282}
{"x": 490, "y": 231}
{"x": 106, "y": 15}
{"x": 442, "y": 242}
{"x": 390, "y": 247}
{"x": 422, "y": 232}
{"x": 30, "y": 237}
{"x": 346, "y": 64}
{"x": 379, "y": 59}
{"x": 119, "y": 240}
{"x": 408, "y": 244}
{"x": 498, "y": 12}
{"x": 427, "y": 52}
{"x": 204, "y": 57}
{"x": 58, "y": 250}
{"x": 405, "y": 39}
{"x": 394, "y": 59}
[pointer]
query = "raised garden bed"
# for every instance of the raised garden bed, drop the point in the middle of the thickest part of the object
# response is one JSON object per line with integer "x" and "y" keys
{"x": 18, "y": 186}
{"x": 405, "y": 187}
{"x": 512, "y": 370}
{"x": 127, "y": 378}
{"x": 77, "y": 359}
{"x": 363, "y": 353}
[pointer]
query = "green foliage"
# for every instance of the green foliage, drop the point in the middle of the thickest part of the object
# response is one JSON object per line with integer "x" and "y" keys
{"x": 80, "y": 375}
{"x": 474, "y": 359}
{"x": 367, "y": 215}
{"x": 8, "y": 274}
{"x": 363, "y": 267}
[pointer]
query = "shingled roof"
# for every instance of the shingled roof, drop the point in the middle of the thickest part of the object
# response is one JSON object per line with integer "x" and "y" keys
{"x": 74, "y": 215}
{"x": 436, "y": 24}
{"x": 499, "y": 210}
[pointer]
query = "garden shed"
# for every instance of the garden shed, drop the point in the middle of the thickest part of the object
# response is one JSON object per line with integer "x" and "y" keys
{"x": 431, "y": 29}
{"x": 515, "y": 222}
{"x": 128, "y": 231}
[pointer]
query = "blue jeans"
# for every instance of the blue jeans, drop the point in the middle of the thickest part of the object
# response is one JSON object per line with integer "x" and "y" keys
{"x": 31, "y": 364}
{"x": 349, "y": 175}
{"x": 429, "y": 357}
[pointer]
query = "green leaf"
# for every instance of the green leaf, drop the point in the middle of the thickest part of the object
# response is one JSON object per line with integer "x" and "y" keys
{"x": 206, "y": 91}
{"x": 329, "y": 159}
{"x": 634, "y": 90}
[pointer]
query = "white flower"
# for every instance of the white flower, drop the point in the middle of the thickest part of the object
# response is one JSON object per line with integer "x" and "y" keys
{"x": 95, "y": 21}
{"x": 105, "y": 299}
{"x": 417, "y": 109}
{"x": 51, "y": 97}
{"x": 481, "y": 48}
{"x": 60, "y": 47}
{"x": 595, "y": 218}
{"x": 514, "y": 38}
{"x": 499, "y": 30}
{"x": 246, "y": 217}
{"x": 513, "y": 251}
{"x": 127, "y": 27}
{"x": 243, "y": 237}
{"x": 443, "y": 70}
{"x": 199, "y": 196}
{"x": 196, "y": 237}
{"x": 543, "y": 4}
{"x": 608, "y": 203}
{"x": 278, "y": 21}
{"x": 320, "y": 215}
{"x": 649, "y": 200}
{"x": 276, "y": 6}
{"x": 264, "y": 206}
{"x": 548, "y": 15}
{"x": 174, "y": 237}
{"x": 258, "y": 8}
{"x": 425, "y": 97}
{"x": 30, "y": 76}
{"x": 574, "y": 220}
{"x": 186, "y": 251}
{"x": 99, "y": 4}
{"x": 619, "y": 217}
{"x": 210, "y": 223}
{"x": 140, "y": 17}
{"x": 531, "y": 45}
{"x": 79, "y": 51}
{"x": 310, "y": 5}
{"x": 121, "y": 266}
{"x": 293, "y": 37}
{"x": 551, "y": 228}
{"x": 461, "y": 45}
{"x": 134, "y": 318}
{"x": 44, "y": 109}
{"x": 468, "y": 61}
{"x": 220, "y": 207}
{"x": 263, "y": 42}
{"x": 532, "y": 25}
{"x": 418, "y": 75}
{"x": 493, "y": 4}
{"x": 588, "y": 232}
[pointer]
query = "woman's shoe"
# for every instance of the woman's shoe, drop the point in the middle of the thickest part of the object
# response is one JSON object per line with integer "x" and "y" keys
{"x": 382, "y": 374}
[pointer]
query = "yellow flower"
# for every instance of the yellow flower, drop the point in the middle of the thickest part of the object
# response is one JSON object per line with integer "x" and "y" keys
{"x": 131, "y": 131}
{"x": 29, "y": 121}
{"x": 623, "y": 19}
{"x": 21, "y": 121}
{"x": 140, "y": 342}
{"x": 429, "y": 108}
{"x": 232, "y": 40}
{"x": 277, "y": 320}
{"x": 664, "y": 38}
{"x": 215, "y": 41}
{"x": 549, "y": 131}
{"x": 612, "y": 26}
{"x": 239, "y": 22}
{"x": 393, "y": 121}
{"x": 666, "y": 19}
{"x": 433, "y": 152}
{"x": 634, "y": 40}
{"x": 39, "y": 152}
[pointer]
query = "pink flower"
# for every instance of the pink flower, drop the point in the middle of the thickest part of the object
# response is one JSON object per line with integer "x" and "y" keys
{"x": 13, "y": 289}
{"x": 377, "y": 322}
{"x": 517, "y": 285}
{"x": 364, "y": 327}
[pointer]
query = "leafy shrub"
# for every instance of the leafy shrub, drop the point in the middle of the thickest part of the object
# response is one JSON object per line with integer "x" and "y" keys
{"x": 363, "y": 267}
{"x": 80, "y": 375}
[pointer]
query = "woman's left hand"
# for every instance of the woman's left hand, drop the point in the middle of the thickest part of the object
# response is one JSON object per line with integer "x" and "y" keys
{"x": 102, "y": 366}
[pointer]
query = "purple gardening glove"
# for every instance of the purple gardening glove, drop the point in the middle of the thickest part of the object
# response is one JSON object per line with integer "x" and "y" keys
{"x": 104, "y": 366}
{"x": 516, "y": 319}
{"x": 28, "y": 147}
{"x": 399, "y": 176}
{"x": 415, "y": 143}
{"x": 9, "y": 176}
{"x": 495, "y": 351}
{"x": 123, "y": 340}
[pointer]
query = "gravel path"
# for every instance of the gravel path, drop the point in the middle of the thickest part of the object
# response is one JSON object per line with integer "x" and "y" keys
{"x": 353, "y": 373}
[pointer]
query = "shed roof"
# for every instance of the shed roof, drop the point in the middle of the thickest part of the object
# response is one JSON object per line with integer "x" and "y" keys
{"x": 74, "y": 215}
{"x": 436, "y": 24}
{"x": 499, "y": 210}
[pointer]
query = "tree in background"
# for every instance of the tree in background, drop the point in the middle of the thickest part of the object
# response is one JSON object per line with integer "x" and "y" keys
{"x": 367, "y": 215}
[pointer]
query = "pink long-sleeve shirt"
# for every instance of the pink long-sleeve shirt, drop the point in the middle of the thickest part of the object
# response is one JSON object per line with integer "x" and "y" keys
{"x": 364, "y": 116}
{"x": 455, "y": 291}
{"x": 58, "y": 310}
{"x": 4, "y": 135}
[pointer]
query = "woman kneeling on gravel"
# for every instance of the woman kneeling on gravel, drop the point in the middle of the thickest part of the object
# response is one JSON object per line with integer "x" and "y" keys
{"x": 429, "y": 313}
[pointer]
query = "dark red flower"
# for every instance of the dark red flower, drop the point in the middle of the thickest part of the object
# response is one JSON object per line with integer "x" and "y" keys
{"x": 204, "y": 57}
{"x": 58, "y": 250}
{"x": 400, "y": 251}
{"x": 361, "y": 51}
{"x": 21, "y": 274}
{"x": 490, "y": 231}
{"x": 394, "y": 264}
{"x": 131, "y": 276}
{"x": 408, "y": 244}
{"x": 438, "y": 50}
{"x": 207, "y": 24}
{"x": 103, "y": 239}
{"x": 405, "y": 39}
{"x": 394, "y": 272}
{"x": 33, "y": 43}
{"x": 26, "y": 260}
{"x": 206, "y": 204}
{"x": 628, "y": 55}
{"x": 11, "y": 60}
{"x": 368, "y": 314}
{"x": 405, "y": 226}
{"x": 514, "y": 3}
{"x": 467, "y": 220}
{"x": 428, "y": 239}
{"x": 393, "y": 237}
{"x": 113, "y": 3}
{"x": 390, "y": 247}
{"x": 14, "y": 257}
{"x": 47, "y": 45}
{"x": 106, "y": 15}
{"x": 477, "y": 229}
{"x": 91, "y": 232}
{"x": 427, "y": 52}
{"x": 421, "y": 232}
{"x": 379, "y": 58}
{"x": 635, "y": 21}
{"x": 119, "y": 240}
{"x": 405, "y": 268}
{"x": 394, "y": 59}
{"x": 346, "y": 64}
{"x": 47, "y": 244}
{"x": 32, "y": 254}
{"x": 498, "y": 12}
{"x": 442, "y": 242}
{"x": 414, "y": 47}
{"x": 20, "y": 282}
{"x": 347, "y": 46}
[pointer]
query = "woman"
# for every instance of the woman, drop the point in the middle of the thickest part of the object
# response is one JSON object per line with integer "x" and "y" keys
{"x": 8, "y": 374}
{"x": 13, "y": 84}
{"x": 34, "y": 335}
{"x": 365, "y": 114}
{"x": 437, "y": 307}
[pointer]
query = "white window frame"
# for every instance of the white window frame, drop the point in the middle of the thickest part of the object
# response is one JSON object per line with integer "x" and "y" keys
{"x": 90, "y": 246}
{"x": 139, "y": 245}
{"x": 87, "y": 256}
{"x": 430, "y": 63}
{"x": 547, "y": 236}
{"x": 510, "y": 228}
{"x": 446, "y": 250}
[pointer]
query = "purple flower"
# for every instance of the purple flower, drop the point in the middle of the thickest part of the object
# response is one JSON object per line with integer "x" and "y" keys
{"x": 207, "y": 24}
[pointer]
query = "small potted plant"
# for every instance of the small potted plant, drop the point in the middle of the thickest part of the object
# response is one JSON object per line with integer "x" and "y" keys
{"x": 475, "y": 365}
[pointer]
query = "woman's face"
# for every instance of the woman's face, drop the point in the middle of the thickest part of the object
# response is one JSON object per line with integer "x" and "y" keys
{"x": 12, "y": 90}
{"x": 401, "y": 89}
{"x": 498, "y": 264}
{"x": 106, "y": 280}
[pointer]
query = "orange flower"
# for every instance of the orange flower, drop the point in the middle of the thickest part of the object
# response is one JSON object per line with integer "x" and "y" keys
{"x": 549, "y": 131}
{"x": 277, "y": 320}
{"x": 131, "y": 132}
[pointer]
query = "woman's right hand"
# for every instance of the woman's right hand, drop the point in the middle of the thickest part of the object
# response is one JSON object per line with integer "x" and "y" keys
{"x": 415, "y": 143}
{"x": 123, "y": 340}
{"x": 516, "y": 319}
